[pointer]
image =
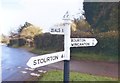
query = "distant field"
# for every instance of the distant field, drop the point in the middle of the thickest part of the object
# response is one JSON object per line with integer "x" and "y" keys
{"x": 57, "y": 75}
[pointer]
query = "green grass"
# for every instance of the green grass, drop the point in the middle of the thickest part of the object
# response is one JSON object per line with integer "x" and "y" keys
{"x": 94, "y": 56}
{"x": 57, "y": 75}
{"x": 81, "y": 55}
{"x": 15, "y": 46}
{"x": 40, "y": 51}
{"x": 77, "y": 55}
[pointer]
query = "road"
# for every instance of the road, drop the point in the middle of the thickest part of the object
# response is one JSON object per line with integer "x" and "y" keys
{"x": 14, "y": 66}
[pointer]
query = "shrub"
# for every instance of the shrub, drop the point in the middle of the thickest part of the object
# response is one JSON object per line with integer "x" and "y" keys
{"x": 13, "y": 42}
{"x": 18, "y": 42}
{"x": 108, "y": 42}
{"x": 48, "y": 41}
{"x": 21, "y": 42}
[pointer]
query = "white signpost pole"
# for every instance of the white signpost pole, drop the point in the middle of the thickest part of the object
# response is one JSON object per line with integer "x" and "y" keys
{"x": 67, "y": 44}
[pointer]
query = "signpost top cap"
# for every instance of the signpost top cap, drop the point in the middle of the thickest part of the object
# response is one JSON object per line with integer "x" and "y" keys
{"x": 67, "y": 16}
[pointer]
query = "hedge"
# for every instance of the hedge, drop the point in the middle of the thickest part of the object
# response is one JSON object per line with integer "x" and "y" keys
{"x": 107, "y": 44}
{"x": 18, "y": 42}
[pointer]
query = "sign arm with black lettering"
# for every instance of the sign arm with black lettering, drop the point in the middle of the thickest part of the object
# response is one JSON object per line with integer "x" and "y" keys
{"x": 46, "y": 59}
{"x": 57, "y": 30}
{"x": 83, "y": 42}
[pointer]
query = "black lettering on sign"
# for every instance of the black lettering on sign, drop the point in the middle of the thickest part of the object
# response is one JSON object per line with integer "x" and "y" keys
{"x": 62, "y": 56}
{"x": 34, "y": 62}
{"x": 72, "y": 41}
{"x": 52, "y": 30}
{"x": 82, "y": 43}
{"x": 45, "y": 60}
{"x": 48, "y": 58}
{"x": 77, "y": 40}
{"x": 62, "y": 30}
{"x": 72, "y": 44}
{"x": 88, "y": 43}
{"x": 83, "y": 40}
{"x": 41, "y": 60}
{"x": 38, "y": 61}
{"x": 55, "y": 57}
{"x": 76, "y": 44}
{"x": 57, "y": 30}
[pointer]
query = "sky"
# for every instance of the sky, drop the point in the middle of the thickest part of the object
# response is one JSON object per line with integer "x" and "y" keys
{"x": 42, "y": 13}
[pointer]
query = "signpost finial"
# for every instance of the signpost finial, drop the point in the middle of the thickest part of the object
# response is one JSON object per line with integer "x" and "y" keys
{"x": 66, "y": 16}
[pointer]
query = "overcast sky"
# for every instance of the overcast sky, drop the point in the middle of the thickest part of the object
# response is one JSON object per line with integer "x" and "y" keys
{"x": 42, "y": 13}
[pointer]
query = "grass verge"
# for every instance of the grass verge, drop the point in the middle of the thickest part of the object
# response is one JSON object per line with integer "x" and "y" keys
{"x": 76, "y": 55}
{"x": 40, "y": 51}
{"x": 82, "y": 56}
{"x": 15, "y": 46}
{"x": 94, "y": 57}
{"x": 57, "y": 75}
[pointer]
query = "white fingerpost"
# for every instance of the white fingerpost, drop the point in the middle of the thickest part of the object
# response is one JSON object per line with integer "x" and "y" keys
{"x": 67, "y": 44}
{"x": 38, "y": 61}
